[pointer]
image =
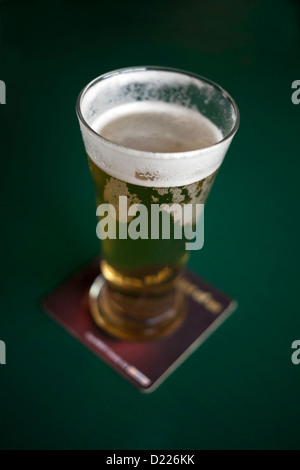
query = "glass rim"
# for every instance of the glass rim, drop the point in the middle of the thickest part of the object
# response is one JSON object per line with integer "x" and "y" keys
{"x": 144, "y": 68}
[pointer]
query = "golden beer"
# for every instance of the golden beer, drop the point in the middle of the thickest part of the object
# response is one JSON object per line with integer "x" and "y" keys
{"x": 149, "y": 145}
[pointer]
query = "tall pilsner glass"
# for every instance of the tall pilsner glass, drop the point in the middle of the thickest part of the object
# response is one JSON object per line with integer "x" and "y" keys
{"x": 153, "y": 136}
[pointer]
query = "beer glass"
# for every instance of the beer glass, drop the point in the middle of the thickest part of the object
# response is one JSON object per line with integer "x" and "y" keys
{"x": 154, "y": 137}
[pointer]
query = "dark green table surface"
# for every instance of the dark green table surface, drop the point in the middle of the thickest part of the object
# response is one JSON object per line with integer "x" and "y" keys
{"x": 240, "y": 390}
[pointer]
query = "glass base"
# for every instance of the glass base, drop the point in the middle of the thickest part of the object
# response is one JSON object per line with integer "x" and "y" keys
{"x": 136, "y": 317}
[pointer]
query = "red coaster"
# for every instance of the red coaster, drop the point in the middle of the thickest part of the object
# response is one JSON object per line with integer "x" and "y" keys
{"x": 145, "y": 364}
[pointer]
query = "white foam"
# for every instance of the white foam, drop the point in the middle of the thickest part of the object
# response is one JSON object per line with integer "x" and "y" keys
{"x": 99, "y": 106}
{"x": 157, "y": 127}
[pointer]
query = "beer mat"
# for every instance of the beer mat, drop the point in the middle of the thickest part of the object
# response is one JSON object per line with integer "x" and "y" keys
{"x": 144, "y": 364}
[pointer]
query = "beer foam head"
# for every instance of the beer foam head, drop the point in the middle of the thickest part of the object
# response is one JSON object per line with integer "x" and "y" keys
{"x": 131, "y": 98}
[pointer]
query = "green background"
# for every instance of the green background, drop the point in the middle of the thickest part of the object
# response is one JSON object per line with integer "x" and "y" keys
{"x": 240, "y": 390}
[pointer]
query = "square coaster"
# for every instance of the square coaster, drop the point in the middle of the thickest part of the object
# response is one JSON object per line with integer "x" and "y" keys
{"x": 144, "y": 364}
